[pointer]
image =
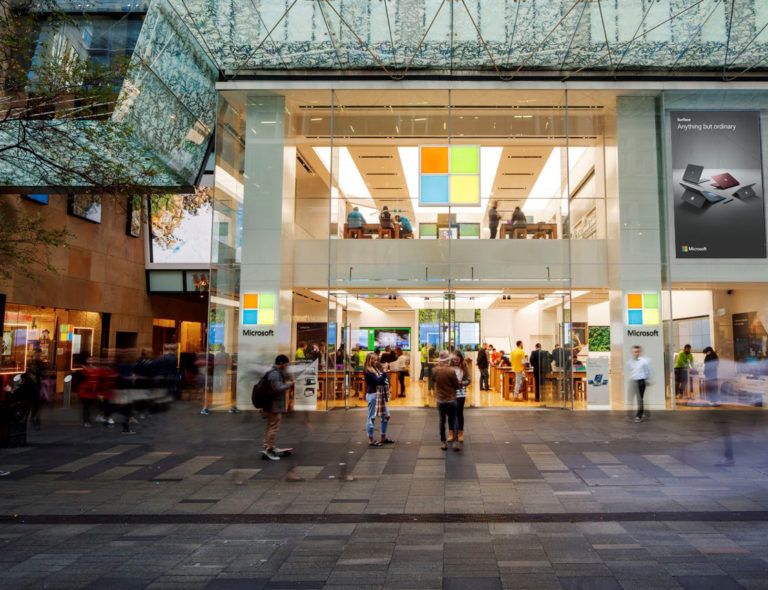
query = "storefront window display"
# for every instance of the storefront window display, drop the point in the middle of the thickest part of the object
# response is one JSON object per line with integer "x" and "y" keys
{"x": 65, "y": 338}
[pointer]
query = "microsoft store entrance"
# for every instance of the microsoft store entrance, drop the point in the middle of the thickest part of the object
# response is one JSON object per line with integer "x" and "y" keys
{"x": 409, "y": 327}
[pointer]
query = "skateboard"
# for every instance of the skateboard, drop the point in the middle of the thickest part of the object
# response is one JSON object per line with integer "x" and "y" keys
{"x": 287, "y": 452}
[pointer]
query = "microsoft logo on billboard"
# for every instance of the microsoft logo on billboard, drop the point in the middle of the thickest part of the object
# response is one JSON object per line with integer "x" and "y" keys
{"x": 259, "y": 309}
{"x": 642, "y": 309}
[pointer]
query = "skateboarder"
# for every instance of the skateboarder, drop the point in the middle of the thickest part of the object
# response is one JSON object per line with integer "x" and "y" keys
{"x": 279, "y": 386}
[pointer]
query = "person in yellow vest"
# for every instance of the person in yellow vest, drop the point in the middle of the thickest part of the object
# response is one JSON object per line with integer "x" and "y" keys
{"x": 301, "y": 351}
{"x": 517, "y": 362}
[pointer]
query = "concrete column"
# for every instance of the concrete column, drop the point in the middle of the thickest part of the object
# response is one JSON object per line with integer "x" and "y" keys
{"x": 266, "y": 295}
{"x": 639, "y": 260}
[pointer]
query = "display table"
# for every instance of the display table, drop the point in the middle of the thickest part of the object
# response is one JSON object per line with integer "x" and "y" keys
{"x": 508, "y": 378}
{"x": 371, "y": 230}
{"x": 537, "y": 230}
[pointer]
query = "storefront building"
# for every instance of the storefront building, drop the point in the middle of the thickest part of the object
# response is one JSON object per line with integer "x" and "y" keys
{"x": 619, "y": 146}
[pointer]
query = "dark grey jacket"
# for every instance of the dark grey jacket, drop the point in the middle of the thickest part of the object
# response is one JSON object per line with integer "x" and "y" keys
{"x": 279, "y": 387}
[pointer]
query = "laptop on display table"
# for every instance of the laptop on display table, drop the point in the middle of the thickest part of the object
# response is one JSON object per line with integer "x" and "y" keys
{"x": 724, "y": 180}
{"x": 698, "y": 198}
{"x": 745, "y": 192}
{"x": 692, "y": 174}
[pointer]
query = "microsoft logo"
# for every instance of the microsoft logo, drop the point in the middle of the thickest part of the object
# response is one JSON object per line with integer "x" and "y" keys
{"x": 258, "y": 309}
{"x": 643, "y": 309}
{"x": 449, "y": 175}
{"x": 685, "y": 248}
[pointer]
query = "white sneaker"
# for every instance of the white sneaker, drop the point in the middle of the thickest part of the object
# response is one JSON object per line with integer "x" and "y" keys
{"x": 270, "y": 454}
{"x": 100, "y": 418}
{"x": 4, "y": 473}
{"x": 638, "y": 419}
{"x": 110, "y": 421}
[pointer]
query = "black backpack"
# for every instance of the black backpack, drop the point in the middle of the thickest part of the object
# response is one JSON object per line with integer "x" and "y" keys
{"x": 261, "y": 394}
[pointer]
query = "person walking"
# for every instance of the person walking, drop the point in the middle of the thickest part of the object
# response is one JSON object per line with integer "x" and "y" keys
{"x": 279, "y": 385}
{"x": 683, "y": 364}
{"x": 517, "y": 363}
{"x": 446, "y": 386}
{"x": 463, "y": 374}
{"x": 540, "y": 363}
{"x": 482, "y": 365}
{"x": 493, "y": 219}
{"x": 376, "y": 396}
{"x": 639, "y": 374}
{"x": 711, "y": 363}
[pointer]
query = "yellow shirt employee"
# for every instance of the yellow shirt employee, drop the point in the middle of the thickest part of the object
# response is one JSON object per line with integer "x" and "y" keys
{"x": 516, "y": 358}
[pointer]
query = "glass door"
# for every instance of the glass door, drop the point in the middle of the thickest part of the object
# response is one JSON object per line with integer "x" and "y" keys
{"x": 557, "y": 376}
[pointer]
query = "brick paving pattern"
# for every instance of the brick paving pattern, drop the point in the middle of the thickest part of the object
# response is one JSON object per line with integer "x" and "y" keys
{"x": 536, "y": 499}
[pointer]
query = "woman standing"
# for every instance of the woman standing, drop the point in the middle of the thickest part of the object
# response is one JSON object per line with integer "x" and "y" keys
{"x": 711, "y": 361}
{"x": 402, "y": 362}
{"x": 376, "y": 395}
{"x": 463, "y": 374}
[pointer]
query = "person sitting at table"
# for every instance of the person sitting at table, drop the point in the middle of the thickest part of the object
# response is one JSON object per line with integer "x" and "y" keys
{"x": 355, "y": 219}
{"x": 385, "y": 218}
{"x": 406, "y": 229}
{"x": 518, "y": 219}
{"x": 504, "y": 360}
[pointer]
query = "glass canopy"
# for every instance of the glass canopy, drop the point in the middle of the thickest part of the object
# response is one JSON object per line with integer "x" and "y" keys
{"x": 506, "y": 37}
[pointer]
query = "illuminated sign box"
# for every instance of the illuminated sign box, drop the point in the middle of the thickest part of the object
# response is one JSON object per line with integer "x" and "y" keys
{"x": 449, "y": 175}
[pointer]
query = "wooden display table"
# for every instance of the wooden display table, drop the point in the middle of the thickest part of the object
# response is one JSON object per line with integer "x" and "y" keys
{"x": 527, "y": 391}
{"x": 370, "y": 230}
{"x": 537, "y": 230}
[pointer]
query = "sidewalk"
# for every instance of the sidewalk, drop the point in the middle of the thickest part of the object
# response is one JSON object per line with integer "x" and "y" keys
{"x": 538, "y": 499}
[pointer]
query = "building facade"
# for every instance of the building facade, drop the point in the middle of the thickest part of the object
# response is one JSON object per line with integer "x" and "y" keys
{"x": 584, "y": 176}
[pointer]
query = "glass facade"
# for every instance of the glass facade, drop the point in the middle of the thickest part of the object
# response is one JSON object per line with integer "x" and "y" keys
{"x": 333, "y": 236}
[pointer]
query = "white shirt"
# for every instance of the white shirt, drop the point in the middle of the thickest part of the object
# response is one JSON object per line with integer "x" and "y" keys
{"x": 639, "y": 369}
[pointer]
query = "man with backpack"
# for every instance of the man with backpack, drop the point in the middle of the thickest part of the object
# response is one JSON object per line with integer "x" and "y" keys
{"x": 269, "y": 395}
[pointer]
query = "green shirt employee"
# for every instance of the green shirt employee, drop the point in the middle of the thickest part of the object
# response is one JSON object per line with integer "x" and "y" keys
{"x": 684, "y": 358}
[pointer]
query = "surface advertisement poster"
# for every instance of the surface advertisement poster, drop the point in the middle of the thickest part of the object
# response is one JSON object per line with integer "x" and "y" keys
{"x": 598, "y": 370}
{"x": 717, "y": 184}
{"x": 305, "y": 390}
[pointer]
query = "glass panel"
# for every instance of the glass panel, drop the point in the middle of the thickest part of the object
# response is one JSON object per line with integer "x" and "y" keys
{"x": 493, "y": 35}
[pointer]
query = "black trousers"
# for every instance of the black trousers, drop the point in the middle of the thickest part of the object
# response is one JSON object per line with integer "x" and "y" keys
{"x": 536, "y": 379}
{"x": 640, "y": 391}
{"x": 493, "y": 229}
{"x": 460, "y": 401}
{"x": 485, "y": 382}
{"x": 681, "y": 381}
{"x": 447, "y": 410}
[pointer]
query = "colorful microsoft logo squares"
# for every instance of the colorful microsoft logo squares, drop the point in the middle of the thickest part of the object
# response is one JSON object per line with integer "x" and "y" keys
{"x": 643, "y": 309}
{"x": 449, "y": 175}
{"x": 258, "y": 309}
{"x": 66, "y": 331}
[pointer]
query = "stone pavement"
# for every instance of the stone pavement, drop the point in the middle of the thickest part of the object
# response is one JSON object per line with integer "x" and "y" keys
{"x": 536, "y": 499}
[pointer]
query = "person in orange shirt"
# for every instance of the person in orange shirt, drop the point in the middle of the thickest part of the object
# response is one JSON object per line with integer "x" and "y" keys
{"x": 517, "y": 362}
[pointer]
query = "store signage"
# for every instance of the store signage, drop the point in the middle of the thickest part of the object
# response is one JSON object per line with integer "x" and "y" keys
{"x": 642, "y": 312}
{"x": 716, "y": 184}
{"x": 449, "y": 175}
{"x": 258, "y": 310}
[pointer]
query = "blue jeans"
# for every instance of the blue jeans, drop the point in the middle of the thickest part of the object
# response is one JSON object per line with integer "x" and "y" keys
{"x": 371, "y": 399}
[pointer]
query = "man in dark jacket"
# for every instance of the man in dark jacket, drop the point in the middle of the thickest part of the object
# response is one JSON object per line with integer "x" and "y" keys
{"x": 482, "y": 364}
{"x": 493, "y": 219}
{"x": 541, "y": 364}
{"x": 279, "y": 386}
